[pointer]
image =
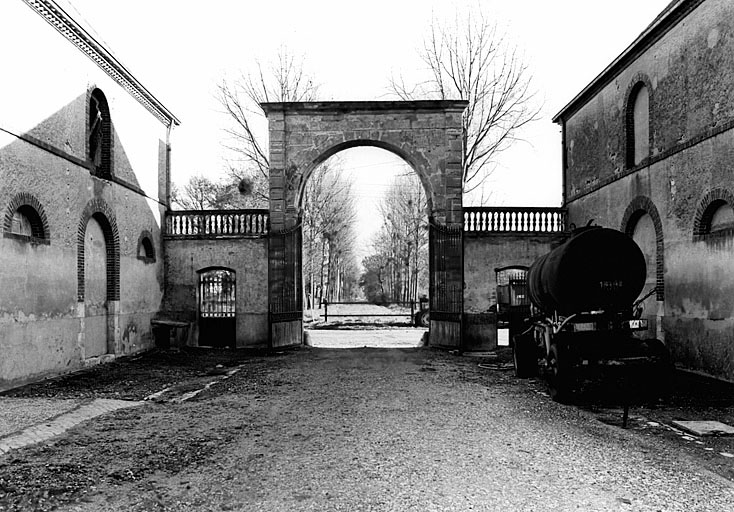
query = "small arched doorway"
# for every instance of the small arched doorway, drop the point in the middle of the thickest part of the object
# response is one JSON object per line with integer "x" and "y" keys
{"x": 217, "y": 293}
{"x": 95, "y": 290}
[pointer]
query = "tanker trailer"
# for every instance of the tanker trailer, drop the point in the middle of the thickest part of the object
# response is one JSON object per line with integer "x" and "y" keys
{"x": 584, "y": 314}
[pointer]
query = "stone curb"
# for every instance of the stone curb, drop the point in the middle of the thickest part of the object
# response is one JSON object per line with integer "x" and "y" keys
{"x": 54, "y": 427}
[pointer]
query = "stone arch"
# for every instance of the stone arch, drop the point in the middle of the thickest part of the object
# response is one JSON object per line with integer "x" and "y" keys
{"x": 33, "y": 209}
{"x": 425, "y": 134}
{"x": 99, "y": 139}
{"x": 336, "y": 147}
{"x": 639, "y": 82}
{"x": 101, "y": 212}
{"x": 638, "y": 207}
{"x": 711, "y": 201}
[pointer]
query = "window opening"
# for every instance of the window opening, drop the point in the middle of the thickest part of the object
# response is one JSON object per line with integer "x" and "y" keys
{"x": 638, "y": 126}
{"x": 95, "y": 132}
{"x": 146, "y": 251}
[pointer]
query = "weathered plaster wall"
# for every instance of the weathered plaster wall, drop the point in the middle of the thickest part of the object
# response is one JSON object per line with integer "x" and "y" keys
{"x": 248, "y": 257}
{"x": 484, "y": 252}
{"x": 43, "y": 153}
{"x": 691, "y": 72}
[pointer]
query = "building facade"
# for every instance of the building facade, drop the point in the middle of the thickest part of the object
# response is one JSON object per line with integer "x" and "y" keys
{"x": 84, "y": 178}
{"x": 648, "y": 148}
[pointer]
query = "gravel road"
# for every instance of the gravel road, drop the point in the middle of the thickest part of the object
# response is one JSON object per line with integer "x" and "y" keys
{"x": 360, "y": 430}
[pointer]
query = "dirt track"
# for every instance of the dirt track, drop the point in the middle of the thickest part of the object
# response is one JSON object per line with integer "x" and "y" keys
{"x": 364, "y": 429}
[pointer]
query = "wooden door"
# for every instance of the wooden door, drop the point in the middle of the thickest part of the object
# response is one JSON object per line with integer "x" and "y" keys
{"x": 95, "y": 290}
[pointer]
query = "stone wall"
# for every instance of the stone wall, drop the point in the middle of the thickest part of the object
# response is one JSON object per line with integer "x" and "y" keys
{"x": 248, "y": 257}
{"x": 689, "y": 70}
{"x": 483, "y": 253}
{"x": 44, "y": 320}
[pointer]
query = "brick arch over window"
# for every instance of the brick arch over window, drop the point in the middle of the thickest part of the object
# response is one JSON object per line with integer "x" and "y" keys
{"x": 101, "y": 212}
{"x": 39, "y": 221}
{"x": 638, "y": 83}
{"x": 713, "y": 199}
{"x": 99, "y": 134}
{"x": 640, "y": 206}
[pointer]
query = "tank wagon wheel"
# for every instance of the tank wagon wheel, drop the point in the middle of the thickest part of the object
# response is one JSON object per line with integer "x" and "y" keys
{"x": 559, "y": 385}
{"x": 424, "y": 319}
{"x": 524, "y": 357}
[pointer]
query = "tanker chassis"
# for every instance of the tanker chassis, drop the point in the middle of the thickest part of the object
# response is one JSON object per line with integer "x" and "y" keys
{"x": 584, "y": 317}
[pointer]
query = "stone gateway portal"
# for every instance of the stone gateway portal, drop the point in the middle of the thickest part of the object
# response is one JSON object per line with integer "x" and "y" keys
{"x": 426, "y": 134}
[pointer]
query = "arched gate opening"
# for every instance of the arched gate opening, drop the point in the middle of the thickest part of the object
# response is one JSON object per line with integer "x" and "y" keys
{"x": 426, "y": 134}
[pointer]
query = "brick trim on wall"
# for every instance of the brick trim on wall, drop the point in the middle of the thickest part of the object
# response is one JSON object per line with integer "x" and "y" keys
{"x": 101, "y": 212}
{"x": 39, "y": 226}
{"x": 712, "y": 200}
{"x": 639, "y": 206}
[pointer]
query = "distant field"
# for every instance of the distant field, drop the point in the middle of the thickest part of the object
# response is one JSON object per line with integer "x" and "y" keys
{"x": 399, "y": 316}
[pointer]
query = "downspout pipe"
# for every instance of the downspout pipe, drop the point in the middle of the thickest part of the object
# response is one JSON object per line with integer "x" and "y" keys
{"x": 169, "y": 129}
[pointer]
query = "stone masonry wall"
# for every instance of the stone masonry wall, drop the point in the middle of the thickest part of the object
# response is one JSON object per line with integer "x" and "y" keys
{"x": 247, "y": 257}
{"x": 691, "y": 75}
{"x": 43, "y": 159}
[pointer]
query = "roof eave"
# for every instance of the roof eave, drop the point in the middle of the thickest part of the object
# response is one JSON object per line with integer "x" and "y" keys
{"x": 663, "y": 23}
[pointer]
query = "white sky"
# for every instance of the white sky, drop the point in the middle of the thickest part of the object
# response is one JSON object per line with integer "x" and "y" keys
{"x": 180, "y": 50}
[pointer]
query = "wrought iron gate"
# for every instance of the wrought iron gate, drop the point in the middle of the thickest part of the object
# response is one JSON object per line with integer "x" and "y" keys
{"x": 217, "y": 309}
{"x": 446, "y": 284}
{"x": 285, "y": 287}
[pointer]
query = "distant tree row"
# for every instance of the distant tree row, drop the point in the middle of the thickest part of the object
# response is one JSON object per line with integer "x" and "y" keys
{"x": 467, "y": 58}
{"x": 330, "y": 266}
{"x": 397, "y": 268}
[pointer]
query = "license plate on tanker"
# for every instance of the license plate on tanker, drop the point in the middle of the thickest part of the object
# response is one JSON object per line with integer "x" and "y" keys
{"x": 638, "y": 324}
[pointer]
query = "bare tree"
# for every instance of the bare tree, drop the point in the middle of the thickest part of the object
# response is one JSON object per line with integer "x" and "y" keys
{"x": 201, "y": 193}
{"x": 284, "y": 80}
{"x": 329, "y": 237}
{"x": 397, "y": 268}
{"x": 469, "y": 59}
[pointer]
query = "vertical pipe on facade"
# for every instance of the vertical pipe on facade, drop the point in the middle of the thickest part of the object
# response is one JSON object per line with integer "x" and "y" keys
{"x": 563, "y": 163}
{"x": 169, "y": 128}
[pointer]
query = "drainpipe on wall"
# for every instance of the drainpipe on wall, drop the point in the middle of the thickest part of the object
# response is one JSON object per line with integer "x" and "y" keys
{"x": 564, "y": 169}
{"x": 169, "y": 128}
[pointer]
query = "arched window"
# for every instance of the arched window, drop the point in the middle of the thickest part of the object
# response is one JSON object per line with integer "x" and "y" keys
{"x": 99, "y": 135}
{"x": 146, "y": 250}
{"x": 715, "y": 220}
{"x": 638, "y": 125}
{"x": 641, "y": 221}
{"x": 25, "y": 219}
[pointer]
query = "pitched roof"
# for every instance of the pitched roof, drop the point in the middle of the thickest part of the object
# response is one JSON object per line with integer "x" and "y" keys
{"x": 83, "y": 37}
{"x": 673, "y": 13}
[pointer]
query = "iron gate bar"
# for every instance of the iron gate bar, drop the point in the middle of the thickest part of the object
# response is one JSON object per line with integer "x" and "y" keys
{"x": 326, "y": 309}
{"x": 285, "y": 309}
{"x": 446, "y": 280}
{"x": 217, "y": 294}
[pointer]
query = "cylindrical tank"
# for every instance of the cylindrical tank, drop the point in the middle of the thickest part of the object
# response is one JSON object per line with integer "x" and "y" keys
{"x": 596, "y": 269}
